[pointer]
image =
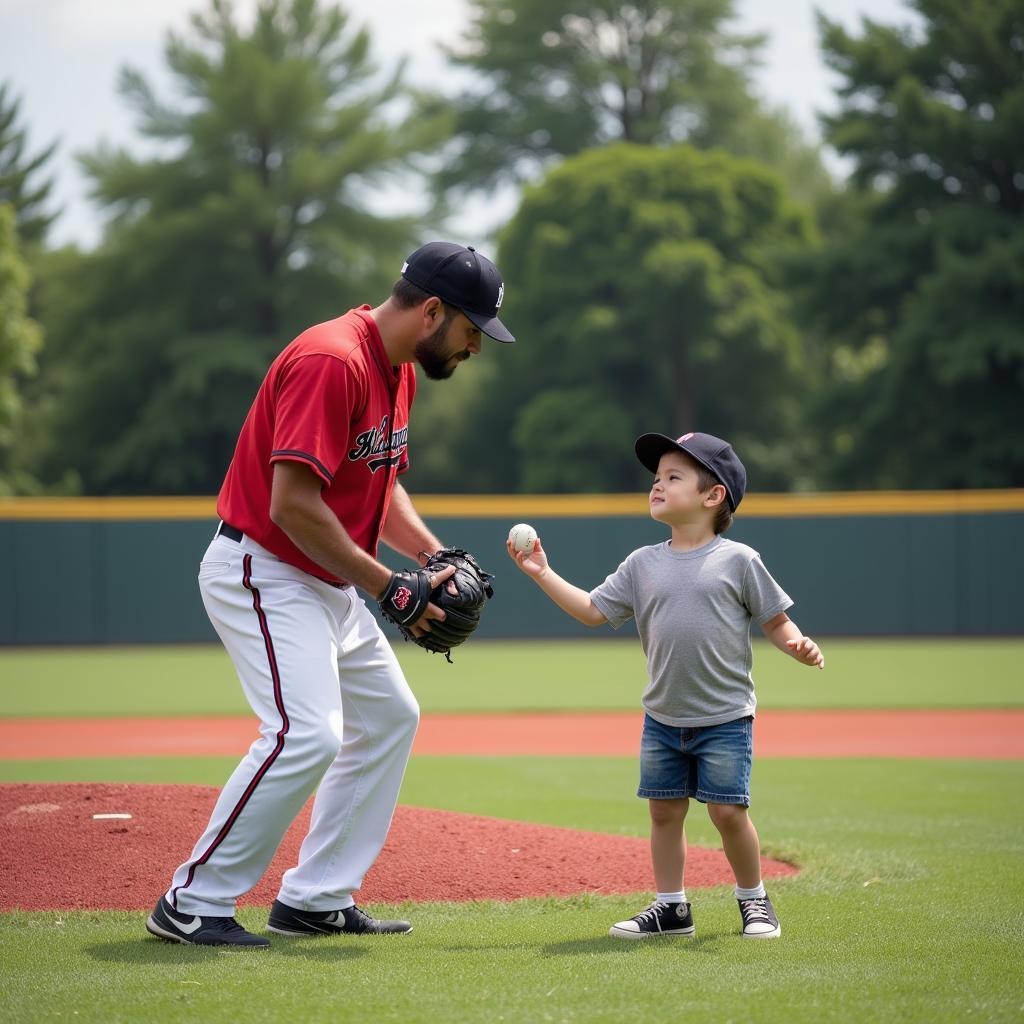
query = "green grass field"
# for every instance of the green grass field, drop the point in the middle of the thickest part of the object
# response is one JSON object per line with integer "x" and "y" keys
{"x": 908, "y": 906}
{"x": 527, "y": 675}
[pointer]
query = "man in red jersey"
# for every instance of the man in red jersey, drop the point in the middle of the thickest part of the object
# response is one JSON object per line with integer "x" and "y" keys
{"x": 311, "y": 490}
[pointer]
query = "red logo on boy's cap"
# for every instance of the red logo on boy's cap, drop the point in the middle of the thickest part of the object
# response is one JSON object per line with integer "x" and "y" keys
{"x": 685, "y": 437}
{"x": 401, "y": 598}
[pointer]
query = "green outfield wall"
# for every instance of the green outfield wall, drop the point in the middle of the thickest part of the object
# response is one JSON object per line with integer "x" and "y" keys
{"x": 123, "y": 570}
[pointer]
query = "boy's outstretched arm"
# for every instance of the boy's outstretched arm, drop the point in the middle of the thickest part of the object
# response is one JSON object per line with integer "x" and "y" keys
{"x": 783, "y": 632}
{"x": 569, "y": 598}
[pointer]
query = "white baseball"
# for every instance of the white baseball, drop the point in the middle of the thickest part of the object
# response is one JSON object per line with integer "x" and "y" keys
{"x": 522, "y": 537}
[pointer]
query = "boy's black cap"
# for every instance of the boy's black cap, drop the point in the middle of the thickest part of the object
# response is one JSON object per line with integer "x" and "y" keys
{"x": 711, "y": 452}
{"x": 463, "y": 278}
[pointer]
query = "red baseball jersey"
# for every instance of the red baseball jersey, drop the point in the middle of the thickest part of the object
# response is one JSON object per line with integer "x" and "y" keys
{"x": 332, "y": 401}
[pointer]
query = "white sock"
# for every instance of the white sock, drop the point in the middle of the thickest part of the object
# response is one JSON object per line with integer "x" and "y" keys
{"x": 672, "y": 897}
{"x": 756, "y": 893}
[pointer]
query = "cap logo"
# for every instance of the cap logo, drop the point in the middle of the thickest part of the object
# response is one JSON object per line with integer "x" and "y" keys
{"x": 405, "y": 266}
{"x": 685, "y": 437}
{"x": 501, "y": 296}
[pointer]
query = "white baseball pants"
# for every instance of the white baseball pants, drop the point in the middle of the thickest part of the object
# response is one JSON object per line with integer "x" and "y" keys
{"x": 334, "y": 710}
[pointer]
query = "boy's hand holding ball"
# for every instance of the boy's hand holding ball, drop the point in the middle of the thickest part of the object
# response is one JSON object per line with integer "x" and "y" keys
{"x": 525, "y": 549}
{"x": 522, "y": 537}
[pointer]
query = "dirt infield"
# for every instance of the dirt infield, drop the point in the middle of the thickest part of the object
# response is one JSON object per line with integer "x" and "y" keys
{"x": 57, "y": 855}
{"x": 997, "y": 734}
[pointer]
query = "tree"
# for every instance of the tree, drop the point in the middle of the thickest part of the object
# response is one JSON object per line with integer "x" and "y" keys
{"x": 20, "y": 340}
{"x": 555, "y": 77}
{"x": 924, "y": 303}
{"x": 251, "y": 223}
{"x": 20, "y": 185}
{"x": 641, "y": 281}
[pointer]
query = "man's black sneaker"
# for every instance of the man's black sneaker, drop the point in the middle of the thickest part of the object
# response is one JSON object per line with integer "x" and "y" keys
{"x": 166, "y": 923}
{"x": 659, "y": 918}
{"x": 287, "y": 920}
{"x": 759, "y": 920}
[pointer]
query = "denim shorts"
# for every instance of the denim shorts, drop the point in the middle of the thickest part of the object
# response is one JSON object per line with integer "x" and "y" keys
{"x": 711, "y": 762}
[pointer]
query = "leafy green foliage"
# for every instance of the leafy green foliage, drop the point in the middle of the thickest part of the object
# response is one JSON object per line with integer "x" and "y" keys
{"x": 646, "y": 297}
{"x": 249, "y": 224}
{"x": 924, "y": 300}
{"x": 554, "y": 77}
{"x": 20, "y": 184}
{"x": 20, "y": 340}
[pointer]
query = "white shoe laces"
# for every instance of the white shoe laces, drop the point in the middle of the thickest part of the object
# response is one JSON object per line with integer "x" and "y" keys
{"x": 755, "y": 910}
{"x": 651, "y": 912}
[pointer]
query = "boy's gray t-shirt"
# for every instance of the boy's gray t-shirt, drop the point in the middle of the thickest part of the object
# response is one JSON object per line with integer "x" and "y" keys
{"x": 693, "y": 611}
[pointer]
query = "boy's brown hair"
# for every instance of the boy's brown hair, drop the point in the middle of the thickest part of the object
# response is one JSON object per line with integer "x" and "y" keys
{"x": 705, "y": 481}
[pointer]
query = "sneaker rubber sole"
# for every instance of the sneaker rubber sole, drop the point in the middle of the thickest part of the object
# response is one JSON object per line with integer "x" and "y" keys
{"x": 675, "y": 933}
{"x": 300, "y": 934}
{"x": 305, "y": 933}
{"x": 154, "y": 929}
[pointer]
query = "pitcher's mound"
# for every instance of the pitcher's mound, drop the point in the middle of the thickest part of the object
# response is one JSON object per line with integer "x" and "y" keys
{"x": 92, "y": 846}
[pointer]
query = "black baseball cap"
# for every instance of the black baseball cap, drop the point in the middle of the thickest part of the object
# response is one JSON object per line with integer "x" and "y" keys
{"x": 711, "y": 452}
{"x": 464, "y": 278}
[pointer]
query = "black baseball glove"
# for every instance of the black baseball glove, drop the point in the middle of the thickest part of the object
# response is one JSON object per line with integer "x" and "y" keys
{"x": 404, "y": 600}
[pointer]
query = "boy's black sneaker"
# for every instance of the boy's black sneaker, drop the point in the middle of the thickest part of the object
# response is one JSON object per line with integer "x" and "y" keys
{"x": 167, "y": 923}
{"x": 759, "y": 920}
{"x": 659, "y": 918}
{"x": 287, "y": 920}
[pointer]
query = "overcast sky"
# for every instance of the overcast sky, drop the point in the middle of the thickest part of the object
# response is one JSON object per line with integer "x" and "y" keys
{"x": 62, "y": 58}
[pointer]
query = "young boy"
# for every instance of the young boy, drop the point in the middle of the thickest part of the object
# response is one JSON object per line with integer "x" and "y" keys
{"x": 693, "y": 598}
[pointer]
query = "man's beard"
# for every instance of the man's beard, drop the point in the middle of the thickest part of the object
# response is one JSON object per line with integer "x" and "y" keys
{"x": 433, "y": 355}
